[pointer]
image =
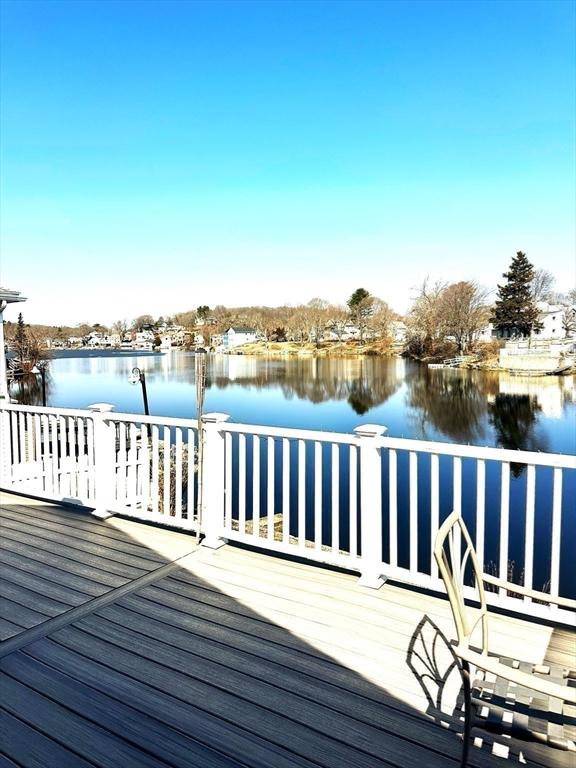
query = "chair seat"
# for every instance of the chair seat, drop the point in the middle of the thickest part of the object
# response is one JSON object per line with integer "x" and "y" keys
{"x": 503, "y": 707}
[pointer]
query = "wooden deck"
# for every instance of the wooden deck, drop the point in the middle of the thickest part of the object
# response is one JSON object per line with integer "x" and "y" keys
{"x": 126, "y": 646}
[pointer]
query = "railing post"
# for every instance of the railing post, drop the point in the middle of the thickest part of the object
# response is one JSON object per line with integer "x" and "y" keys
{"x": 370, "y": 505}
{"x": 104, "y": 459}
{"x": 212, "y": 480}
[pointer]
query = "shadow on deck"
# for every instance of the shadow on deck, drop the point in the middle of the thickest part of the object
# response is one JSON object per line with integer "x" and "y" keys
{"x": 126, "y": 645}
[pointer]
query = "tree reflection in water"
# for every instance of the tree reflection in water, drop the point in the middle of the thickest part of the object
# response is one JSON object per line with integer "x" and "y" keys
{"x": 27, "y": 389}
{"x": 514, "y": 419}
{"x": 461, "y": 404}
{"x": 476, "y": 407}
{"x": 363, "y": 382}
{"x": 453, "y": 402}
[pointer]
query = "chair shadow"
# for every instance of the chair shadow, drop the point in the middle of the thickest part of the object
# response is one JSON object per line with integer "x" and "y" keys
{"x": 432, "y": 661}
{"x": 434, "y": 664}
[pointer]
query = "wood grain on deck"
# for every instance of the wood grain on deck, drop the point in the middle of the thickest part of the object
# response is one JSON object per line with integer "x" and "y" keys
{"x": 226, "y": 658}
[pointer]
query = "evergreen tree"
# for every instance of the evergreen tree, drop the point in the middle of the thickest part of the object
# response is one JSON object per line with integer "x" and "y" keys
{"x": 361, "y": 305}
{"x": 358, "y": 297}
{"x": 21, "y": 340}
{"x": 515, "y": 311}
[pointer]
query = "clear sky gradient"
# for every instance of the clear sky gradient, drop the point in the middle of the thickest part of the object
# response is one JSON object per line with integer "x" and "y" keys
{"x": 160, "y": 155}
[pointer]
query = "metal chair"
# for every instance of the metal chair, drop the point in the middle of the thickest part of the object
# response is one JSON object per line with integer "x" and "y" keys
{"x": 532, "y": 702}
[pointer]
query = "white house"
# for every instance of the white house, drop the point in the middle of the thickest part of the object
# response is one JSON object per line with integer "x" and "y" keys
{"x": 238, "y": 335}
{"x": 144, "y": 338}
{"x": 398, "y": 331}
{"x": 558, "y": 322}
{"x": 486, "y": 334}
{"x": 551, "y": 316}
{"x": 95, "y": 339}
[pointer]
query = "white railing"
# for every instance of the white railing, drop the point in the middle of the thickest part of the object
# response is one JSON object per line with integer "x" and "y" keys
{"x": 48, "y": 452}
{"x": 363, "y": 501}
{"x": 139, "y": 466}
{"x": 154, "y": 469}
{"x": 539, "y": 347}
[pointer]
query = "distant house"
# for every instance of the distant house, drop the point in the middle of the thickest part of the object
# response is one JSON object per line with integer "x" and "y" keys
{"x": 486, "y": 334}
{"x": 143, "y": 338}
{"x": 95, "y": 339}
{"x": 554, "y": 319}
{"x": 238, "y": 335}
{"x": 398, "y": 331}
{"x": 200, "y": 321}
{"x": 551, "y": 316}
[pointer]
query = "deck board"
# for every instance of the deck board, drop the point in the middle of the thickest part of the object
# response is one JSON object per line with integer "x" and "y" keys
{"x": 100, "y": 546}
{"x": 134, "y": 648}
{"x": 53, "y": 559}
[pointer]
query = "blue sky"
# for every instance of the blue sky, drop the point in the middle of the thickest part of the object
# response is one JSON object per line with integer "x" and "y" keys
{"x": 160, "y": 155}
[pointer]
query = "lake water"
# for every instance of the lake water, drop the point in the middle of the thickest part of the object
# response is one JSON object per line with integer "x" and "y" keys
{"x": 476, "y": 407}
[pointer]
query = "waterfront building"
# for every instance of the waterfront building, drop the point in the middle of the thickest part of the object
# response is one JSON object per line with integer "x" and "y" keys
{"x": 235, "y": 336}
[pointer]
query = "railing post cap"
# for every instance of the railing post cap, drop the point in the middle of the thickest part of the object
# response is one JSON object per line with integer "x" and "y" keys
{"x": 370, "y": 430}
{"x": 215, "y": 418}
{"x": 101, "y": 407}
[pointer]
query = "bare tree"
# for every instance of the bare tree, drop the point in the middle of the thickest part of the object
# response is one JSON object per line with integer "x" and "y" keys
{"x": 299, "y": 324}
{"x": 338, "y": 316}
{"x": 543, "y": 285}
{"x": 120, "y": 327}
{"x": 463, "y": 312}
{"x": 27, "y": 347}
{"x": 142, "y": 321}
{"x": 317, "y": 311}
{"x": 569, "y": 321}
{"x": 381, "y": 318}
{"x": 424, "y": 321}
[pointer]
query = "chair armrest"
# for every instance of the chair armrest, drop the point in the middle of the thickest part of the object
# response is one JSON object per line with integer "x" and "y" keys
{"x": 495, "y": 667}
{"x": 565, "y": 602}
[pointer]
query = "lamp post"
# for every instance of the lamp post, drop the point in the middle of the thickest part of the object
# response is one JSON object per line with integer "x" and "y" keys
{"x": 138, "y": 376}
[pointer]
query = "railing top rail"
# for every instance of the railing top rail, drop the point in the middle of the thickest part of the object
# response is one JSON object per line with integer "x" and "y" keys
{"x": 163, "y": 421}
{"x": 399, "y": 443}
{"x": 290, "y": 432}
{"x": 108, "y": 415}
{"x": 480, "y": 452}
{"x": 48, "y": 411}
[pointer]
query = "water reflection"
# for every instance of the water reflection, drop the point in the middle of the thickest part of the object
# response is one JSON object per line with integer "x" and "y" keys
{"x": 514, "y": 418}
{"x": 450, "y": 401}
{"x": 479, "y": 407}
{"x": 27, "y": 389}
{"x": 363, "y": 383}
{"x": 465, "y": 406}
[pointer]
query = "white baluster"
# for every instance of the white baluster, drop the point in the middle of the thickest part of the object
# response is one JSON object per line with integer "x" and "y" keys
{"x": 271, "y": 487}
{"x": 256, "y": 485}
{"x": 504, "y": 523}
{"x": 302, "y": 494}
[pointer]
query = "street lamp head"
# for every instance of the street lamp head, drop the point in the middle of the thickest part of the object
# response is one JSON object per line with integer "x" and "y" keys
{"x": 136, "y": 376}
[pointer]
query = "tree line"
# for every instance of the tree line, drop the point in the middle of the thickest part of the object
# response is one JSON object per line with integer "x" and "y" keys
{"x": 444, "y": 316}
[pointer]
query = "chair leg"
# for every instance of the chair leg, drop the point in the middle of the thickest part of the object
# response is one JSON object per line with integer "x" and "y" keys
{"x": 465, "y": 671}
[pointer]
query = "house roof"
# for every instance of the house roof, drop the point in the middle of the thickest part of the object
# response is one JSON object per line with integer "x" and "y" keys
{"x": 241, "y": 329}
{"x": 548, "y": 309}
{"x": 10, "y": 297}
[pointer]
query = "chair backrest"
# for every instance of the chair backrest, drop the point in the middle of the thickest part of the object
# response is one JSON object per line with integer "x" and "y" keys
{"x": 453, "y": 560}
